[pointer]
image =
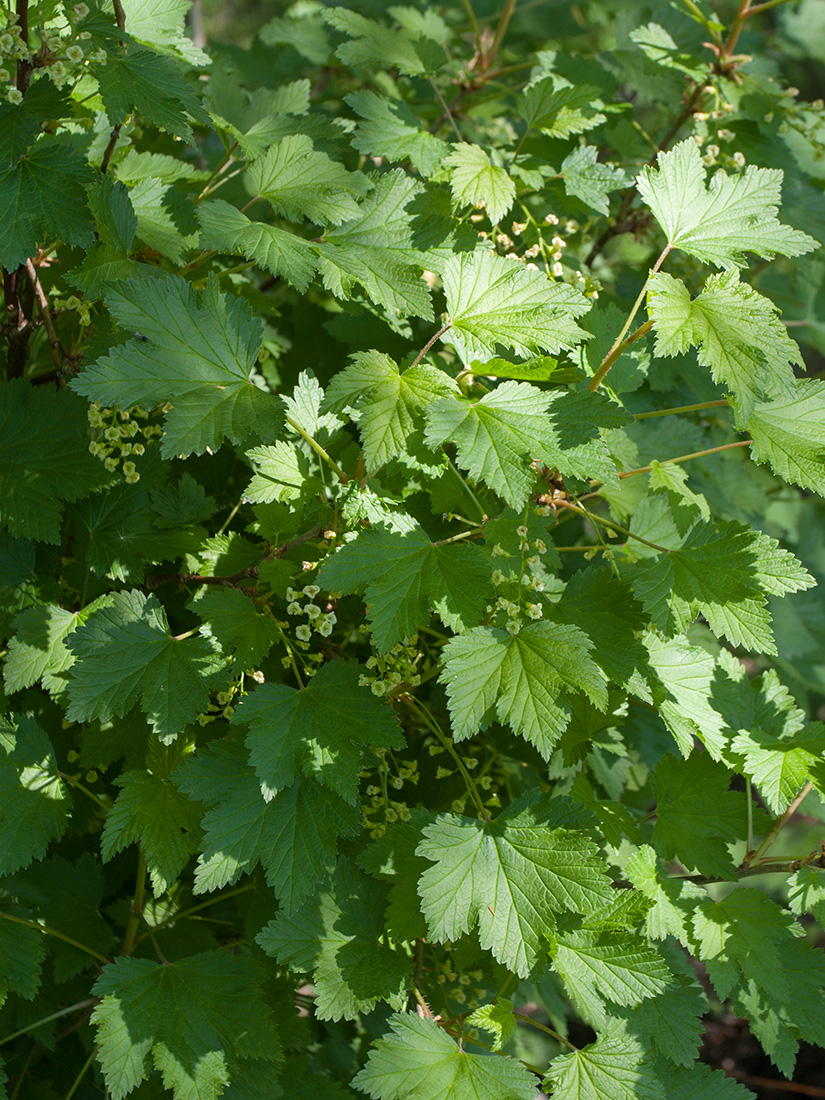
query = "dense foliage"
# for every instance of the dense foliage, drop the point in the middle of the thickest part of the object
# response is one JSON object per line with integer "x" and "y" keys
{"x": 409, "y": 547}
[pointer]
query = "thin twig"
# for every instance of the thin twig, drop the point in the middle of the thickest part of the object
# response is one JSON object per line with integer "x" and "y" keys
{"x": 48, "y": 931}
{"x": 779, "y": 825}
{"x": 136, "y": 911}
{"x": 619, "y": 344}
{"x": 446, "y": 109}
{"x": 611, "y": 526}
{"x": 47, "y": 1020}
{"x": 430, "y": 343}
{"x": 683, "y": 409}
{"x": 58, "y": 354}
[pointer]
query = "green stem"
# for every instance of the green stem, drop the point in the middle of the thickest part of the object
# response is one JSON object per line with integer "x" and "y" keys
{"x": 689, "y": 4}
{"x": 735, "y": 30}
{"x": 203, "y": 905}
{"x": 684, "y": 458}
{"x": 471, "y": 15}
{"x": 469, "y": 491}
{"x": 86, "y": 1067}
{"x": 778, "y": 826}
{"x": 620, "y": 344}
{"x": 21, "y": 1075}
{"x": 543, "y": 1027}
{"x": 46, "y": 1020}
{"x": 230, "y": 517}
{"x": 137, "y": 907}
{"x": 486, "y": 1046}
{"x": 434, "y": 727}
{"x": 70, "y": 779}
{"x": 749, "y": 798}
{"x": 319, "y": 450}
{"x": 224, "y": 160}
{"x": 446, "y": 109}
{"x": 474, "y": 534}
{"x": 47, "y": 931}
{"x": 764, "y": 7}
{"x": 501, "y": 30}
{"x": 683, "y": 409}
{"x": 612, "y": 526}
{"x": 291, "y": 654}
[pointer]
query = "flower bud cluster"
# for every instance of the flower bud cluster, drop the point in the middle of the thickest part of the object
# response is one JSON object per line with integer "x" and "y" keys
{"x": 379, "y": 809}
{"x": 302, "y": 603}
{"x": 62, "y": 52}
{"x": 399, "y": 666}
{"x": 112, "y": 433}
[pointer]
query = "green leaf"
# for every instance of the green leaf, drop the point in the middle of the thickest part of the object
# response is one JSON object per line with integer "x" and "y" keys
{"x": 686, "y": 506}
{"x": 21, "y": 123}
{"x": 696, "y": 814}
{"x": 300, "y": 182}
{"x": 673, "y": 1022}
{"x": 282, "y": 473}
{"x": 160, "y": 23}
{"x": 739, "y": 937}
{"x": 152, "y": 812}
{"x": 418, "y": 1059}
{"x": 403, "y": 575}
{"x": 405, "y": 48}
{"x": 780, "y": 766}
{"x": 22, "y": 951}
{"x": 292, "y": 833}
{"x": 125, "y": 653}
{"x": 498, "y": 435}
{"x": 719, "y": 222}
{"x": 44, "y": 456}
{"x": 560, "y": 112}
{"x": 496, "y": 1018}
{"x": 390, "y": 129}
{"x": 283, "y": 254}
{"x": 34, "y": 802}
{"x": 190, "y": 1016}
{"x": 43, "y": 195}
{"x": 736, "y": 331}
{"x": 377, "y": 249}
{"x": 806, "y": 892}
{"x": 321, "y": 731}
{"x": 392, "y": 858}
{"x": 787, "y": 433}
{"x": 608, "y": 1069}
{"x": 725, "y": 572}
{"x": 520, "y": 679}
{"x": 36, "y": 652}
{"x": 541, "y": 369}
{"x": 615, "y": 966}
{"x": 700, "y": 1082}
{"x": 139, "y": 79}
{"x": 601, "y": 605}
{"x": 159, "y": 217}
{"x": 232, "y": 620}
{"x": 476, "y": 181}
{"x": 69, "y": 898}
{"x": 493, "y": 301}
{"x": 506, "y": 877}
{"x": 390, "y": 403}
{"x": 338, "y": 935}
{"x": 586, "y": 179}
{"x": 196, "y": 351}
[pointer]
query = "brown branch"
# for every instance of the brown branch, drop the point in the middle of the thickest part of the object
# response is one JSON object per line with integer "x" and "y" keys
{"x": 120, "y": 18}
{"x": 58, "y": 353}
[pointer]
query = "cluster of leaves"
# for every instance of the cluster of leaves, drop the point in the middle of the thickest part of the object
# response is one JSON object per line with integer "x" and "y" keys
{"x": 411, "y": 658}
